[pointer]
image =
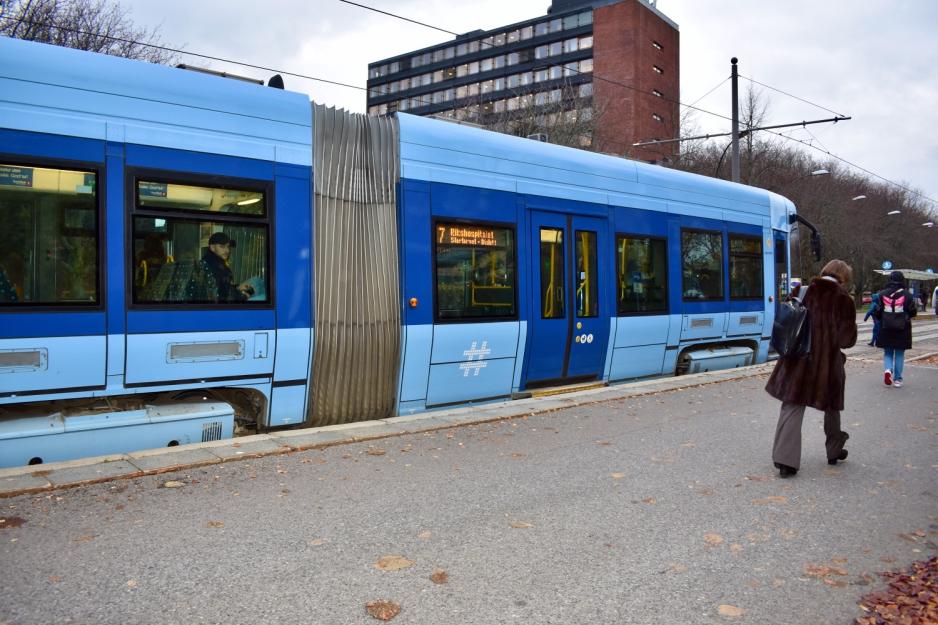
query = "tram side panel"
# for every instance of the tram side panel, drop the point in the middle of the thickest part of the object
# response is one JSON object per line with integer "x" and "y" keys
{"x": 460, "y": 294}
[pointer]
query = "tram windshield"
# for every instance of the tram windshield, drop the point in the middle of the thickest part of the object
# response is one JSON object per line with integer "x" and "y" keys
{"x": 48, "y": 236}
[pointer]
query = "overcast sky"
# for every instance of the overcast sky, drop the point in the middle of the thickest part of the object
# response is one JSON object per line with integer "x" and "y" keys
{"x": 874, "y": 60}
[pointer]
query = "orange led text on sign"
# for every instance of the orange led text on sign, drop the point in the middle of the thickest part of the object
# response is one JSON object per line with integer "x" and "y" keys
{"x": 466, "y": 235}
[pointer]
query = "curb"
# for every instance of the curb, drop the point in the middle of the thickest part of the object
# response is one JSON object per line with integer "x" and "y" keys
{"x": 27, "y": 480}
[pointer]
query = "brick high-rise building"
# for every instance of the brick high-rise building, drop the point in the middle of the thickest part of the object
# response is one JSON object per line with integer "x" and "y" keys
{"x": 605, "y": 70}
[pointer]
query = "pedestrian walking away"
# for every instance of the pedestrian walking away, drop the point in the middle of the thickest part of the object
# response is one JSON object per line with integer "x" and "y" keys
{"x": 895, "y": 311}
{"x": 870, "y": 312}
{"x": 817, "y": 379}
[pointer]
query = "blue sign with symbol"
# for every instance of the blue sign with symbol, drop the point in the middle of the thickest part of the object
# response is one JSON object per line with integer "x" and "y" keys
{"x": 887, "y": 265}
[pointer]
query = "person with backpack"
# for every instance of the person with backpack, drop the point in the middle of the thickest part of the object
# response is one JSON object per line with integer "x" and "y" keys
{"x": 816, "y": 378}
{"x": 895, "y": 311}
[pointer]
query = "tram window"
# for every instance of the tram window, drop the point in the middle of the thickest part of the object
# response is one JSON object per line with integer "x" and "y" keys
{"x": 552, "y": 273}
{"x": 587, "y": 299}
{"x": 170, "y": 196}
{"x": 185, "y": 259}
{"x": 702, "y": 260}
{"x": 642, "y": 269}
{"x": 746, "y": 275}
{"x": 475, "y": 271}
{"x": 48, "y": 236}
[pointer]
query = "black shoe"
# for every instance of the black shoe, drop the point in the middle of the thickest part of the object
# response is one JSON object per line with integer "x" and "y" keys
{"x": 785, "y": 471}
{"x": 842, "y": 456}
{"x": 871, "y": 344}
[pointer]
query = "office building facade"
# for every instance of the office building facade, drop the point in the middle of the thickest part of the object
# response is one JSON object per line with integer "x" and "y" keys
{"x": 599, "y": 74}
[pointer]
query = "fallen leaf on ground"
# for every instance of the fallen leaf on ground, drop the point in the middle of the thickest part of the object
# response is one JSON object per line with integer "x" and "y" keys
{"x": 10, "y": 522}
{"x": 425, "y": 534}
{"x": 173, "y": 484}
{"x": 374, "y": 451}
{"x": 87, "y": 538}
{"x": 603, "y": 443}
{"x": 760, "y": 478}
{"x": 730, "y": 610}
{"x": 214, "y": 524}
{"x": 439, "y": 577}
{"x": 393, "y": 563}
{"x": 316, "y": 542}
{"x": 787, "y": 533}
{"x": 617, "y": 476}
{"x": 837, "y": 583}
{"x": 382, "y": 609}
{"x": 770, "y": 499}
{"x": 713, "y": 539}
{"x": 821, "y": 570}
{"x": 650, "y": 501}
{"x": 736, "y": 547}
{"x": 520, "y": 525}
{"x": 55, "y": 579}
{"x": 678, "y": 568}
{"x": 132, "y": 583}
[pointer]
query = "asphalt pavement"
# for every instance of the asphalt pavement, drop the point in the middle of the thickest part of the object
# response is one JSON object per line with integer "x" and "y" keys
{"x": 652, "y": 505}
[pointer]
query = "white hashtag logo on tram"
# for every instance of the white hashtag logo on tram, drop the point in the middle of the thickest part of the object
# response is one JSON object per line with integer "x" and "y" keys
{"x": 474, "y": 358}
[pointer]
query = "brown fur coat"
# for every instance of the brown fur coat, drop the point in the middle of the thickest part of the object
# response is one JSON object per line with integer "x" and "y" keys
{"x": 818, "y": 380}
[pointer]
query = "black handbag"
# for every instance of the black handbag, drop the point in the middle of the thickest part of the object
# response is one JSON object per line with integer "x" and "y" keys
{"x": 791, "y": 331}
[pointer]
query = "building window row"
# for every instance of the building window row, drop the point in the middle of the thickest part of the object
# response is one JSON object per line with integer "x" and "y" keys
{"x": 494, "y": 85}
{"x": 656, "y": 45}
{"x": 539, "y": 98}
{"x": 657, "y": 69}
{"x": 547, "y": 27}
{"x": 477, "y": 67}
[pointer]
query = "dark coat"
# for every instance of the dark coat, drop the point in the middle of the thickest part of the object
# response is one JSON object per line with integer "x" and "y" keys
{"x": 224, "y": 279}
{"x": 896, "y": 339}
{"x": 818, "y": 380}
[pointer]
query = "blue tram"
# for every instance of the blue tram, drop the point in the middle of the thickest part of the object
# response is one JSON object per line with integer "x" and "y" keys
{"x": 185, "y": 257}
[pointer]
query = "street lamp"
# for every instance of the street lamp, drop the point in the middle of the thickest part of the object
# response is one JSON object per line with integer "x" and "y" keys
{"x": 893, "y": 212}
{"x": 859, "y": 197}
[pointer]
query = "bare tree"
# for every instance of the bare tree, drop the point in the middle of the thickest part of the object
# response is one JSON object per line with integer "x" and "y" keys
{"x": 95, "y": 25}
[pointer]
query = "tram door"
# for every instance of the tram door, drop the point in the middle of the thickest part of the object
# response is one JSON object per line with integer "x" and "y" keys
{"x": 781, "y": 270}
{"x": 569, "y": 326}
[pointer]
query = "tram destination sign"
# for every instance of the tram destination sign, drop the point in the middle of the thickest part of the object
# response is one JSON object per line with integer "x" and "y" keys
{"x": 475, "y": 236}
{"x": 16, "y": 176}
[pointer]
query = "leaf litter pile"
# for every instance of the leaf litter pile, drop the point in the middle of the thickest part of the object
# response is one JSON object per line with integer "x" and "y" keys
{"x": 911, "y": 597}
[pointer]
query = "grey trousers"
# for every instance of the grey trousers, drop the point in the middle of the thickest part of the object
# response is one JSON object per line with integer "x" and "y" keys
{"x": 787, "y": 447}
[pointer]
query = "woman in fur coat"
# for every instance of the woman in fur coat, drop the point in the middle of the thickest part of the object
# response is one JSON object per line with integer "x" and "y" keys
{"x": 817, "y": 380}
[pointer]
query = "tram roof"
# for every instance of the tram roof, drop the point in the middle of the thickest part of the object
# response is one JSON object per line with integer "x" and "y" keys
{"x": 441, "y": 151}
{"x": 58, "y": 90}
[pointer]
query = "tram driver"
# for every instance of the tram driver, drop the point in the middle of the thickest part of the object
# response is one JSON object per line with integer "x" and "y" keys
{"x": 215, "y": 262}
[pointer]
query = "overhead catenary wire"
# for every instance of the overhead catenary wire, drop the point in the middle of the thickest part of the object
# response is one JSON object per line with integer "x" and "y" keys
{"x": 790, "y": 95}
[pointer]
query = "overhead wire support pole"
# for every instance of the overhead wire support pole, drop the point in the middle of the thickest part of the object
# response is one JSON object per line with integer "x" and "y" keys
{"x": 734, "y": 75}
{"x": 744, "y": 132}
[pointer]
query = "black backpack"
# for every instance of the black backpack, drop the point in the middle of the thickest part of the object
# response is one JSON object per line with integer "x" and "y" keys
{"x": 791, "y": 331}
{"x": 892, "y": 310}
